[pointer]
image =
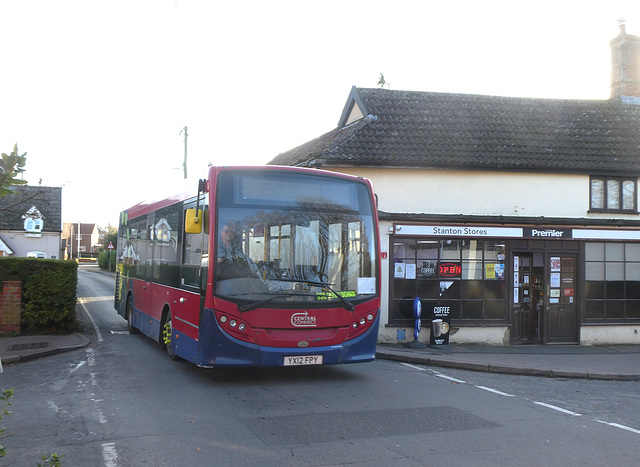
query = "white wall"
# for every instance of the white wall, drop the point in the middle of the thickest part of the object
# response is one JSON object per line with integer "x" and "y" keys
{"x": 610, "y": 335}
{"x": 49, "y": 243}
{"x": 480, "y": 193}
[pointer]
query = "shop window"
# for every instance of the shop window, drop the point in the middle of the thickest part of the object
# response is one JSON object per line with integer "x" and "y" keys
{"x": 472, "y": 290}
{"x": 595, "y": 309}
{"x": 472, "y": 310}
{"x": 633, "y": 309}
{"x": 467, "y": 275}
{"x": 494, "y": 309}
{"x": 613, "y": 194}
{"x": 612, "y": 281}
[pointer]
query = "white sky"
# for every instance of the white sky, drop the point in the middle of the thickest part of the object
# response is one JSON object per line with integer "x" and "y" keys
{"x": 97, "y": 93}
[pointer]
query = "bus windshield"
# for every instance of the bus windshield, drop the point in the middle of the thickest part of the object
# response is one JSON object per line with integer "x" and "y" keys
{"x": 287, "y": 239}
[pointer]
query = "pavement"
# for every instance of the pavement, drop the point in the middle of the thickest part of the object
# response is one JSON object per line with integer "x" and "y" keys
{"x": 616, "y": 362}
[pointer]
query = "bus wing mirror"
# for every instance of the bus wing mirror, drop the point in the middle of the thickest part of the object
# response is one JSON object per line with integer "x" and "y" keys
{"x": 193, "y": 221}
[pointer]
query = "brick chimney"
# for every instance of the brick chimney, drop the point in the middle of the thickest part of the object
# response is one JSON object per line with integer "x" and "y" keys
{"x": 625, "y": 64}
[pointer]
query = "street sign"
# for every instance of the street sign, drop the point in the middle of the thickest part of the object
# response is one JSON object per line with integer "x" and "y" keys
{"x": 110, "y": 247}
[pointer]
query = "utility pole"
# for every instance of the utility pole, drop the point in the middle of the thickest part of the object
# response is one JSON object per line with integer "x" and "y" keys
{"x": 184, "y": 164}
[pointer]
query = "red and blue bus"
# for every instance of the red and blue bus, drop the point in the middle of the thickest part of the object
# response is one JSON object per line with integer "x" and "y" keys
{"x": 264, "y": 266}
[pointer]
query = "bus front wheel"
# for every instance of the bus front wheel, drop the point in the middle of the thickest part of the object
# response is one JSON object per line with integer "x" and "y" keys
{"x": 167, "y": 336}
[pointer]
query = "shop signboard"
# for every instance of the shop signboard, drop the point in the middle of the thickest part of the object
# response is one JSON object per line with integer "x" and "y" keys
{"x": 440, "y": 325}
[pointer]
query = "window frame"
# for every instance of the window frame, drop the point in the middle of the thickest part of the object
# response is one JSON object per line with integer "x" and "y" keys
{"x": 402, "y": 291}
{"x": 33, "y": 224}
{"x": 605, "y": 179}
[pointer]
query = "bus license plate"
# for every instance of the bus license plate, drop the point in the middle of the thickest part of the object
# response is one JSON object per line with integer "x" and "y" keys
{"x": 303, "y": 360}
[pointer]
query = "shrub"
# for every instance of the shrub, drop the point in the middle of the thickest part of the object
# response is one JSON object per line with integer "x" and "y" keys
{"x": 48, "y": 293}
{"x": 103, "y": 260}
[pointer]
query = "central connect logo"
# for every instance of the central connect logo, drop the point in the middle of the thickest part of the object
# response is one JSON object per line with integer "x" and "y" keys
{"x": 303, "y": 320}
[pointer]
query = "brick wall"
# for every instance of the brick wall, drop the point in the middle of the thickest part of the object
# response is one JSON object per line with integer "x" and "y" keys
{"x": 10, "y": 307}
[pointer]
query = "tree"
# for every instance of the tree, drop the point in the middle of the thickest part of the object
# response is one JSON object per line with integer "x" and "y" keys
{"x": 10, "y": 167}
{"x": 109, "y": 235}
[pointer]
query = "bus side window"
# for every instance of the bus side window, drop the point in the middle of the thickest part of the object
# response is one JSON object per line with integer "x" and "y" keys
{"x": 195, "y": 253}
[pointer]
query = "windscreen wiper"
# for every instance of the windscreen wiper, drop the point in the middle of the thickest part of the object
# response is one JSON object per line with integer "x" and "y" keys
{"x": 350, "y": 306}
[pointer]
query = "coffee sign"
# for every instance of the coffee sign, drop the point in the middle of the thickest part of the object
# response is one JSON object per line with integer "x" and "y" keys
{"x": 440, "y": 326}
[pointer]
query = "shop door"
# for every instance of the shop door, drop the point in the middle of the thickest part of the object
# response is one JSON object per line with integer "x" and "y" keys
{"x": 528, "y": 298}
{"x": 561, "y": 315}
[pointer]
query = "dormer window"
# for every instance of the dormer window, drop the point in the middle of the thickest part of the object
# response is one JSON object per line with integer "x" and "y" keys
{"x": 613, "y": 194}
{"x": 33, "y": 225}
{"x": 33, "y": 222}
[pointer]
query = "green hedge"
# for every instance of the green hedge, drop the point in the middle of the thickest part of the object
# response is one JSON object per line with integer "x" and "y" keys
{"x": 103, "y": 260}
{"x": 48, "y": 293}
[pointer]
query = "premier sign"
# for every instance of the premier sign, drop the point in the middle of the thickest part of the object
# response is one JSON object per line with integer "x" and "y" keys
{"x": 547, "y": 233}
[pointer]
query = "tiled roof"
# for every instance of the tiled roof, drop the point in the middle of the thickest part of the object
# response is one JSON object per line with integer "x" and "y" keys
{"x": 464, "y": 131}
{"x": 47, "y": 200}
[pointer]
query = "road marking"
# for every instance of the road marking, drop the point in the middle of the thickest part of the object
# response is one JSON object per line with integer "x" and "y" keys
{"x": 449, "y": 378}
{"x": 120, "y": 332}
{"x": 109, "y": 454}
{"x": 433, "y": 372}
{"x": 622, "y": 427}
{"x": 106, "y": 298}
{"x": 413, "y": 366}
{"x": 543, "y": 404}
{"x": 495, "y": 391}
{"x": 73, "y": 370}
{"x": 559, "y": 409}
{"x": 95, "y": 326}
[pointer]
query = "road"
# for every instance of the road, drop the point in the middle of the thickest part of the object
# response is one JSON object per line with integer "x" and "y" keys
{"x": 122, "y": 402}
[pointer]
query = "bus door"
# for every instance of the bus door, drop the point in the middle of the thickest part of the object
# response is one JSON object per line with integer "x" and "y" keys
{"x": 143, "y": 289}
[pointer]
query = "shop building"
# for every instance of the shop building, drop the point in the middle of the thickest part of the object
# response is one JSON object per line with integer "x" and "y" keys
{"x": 519, "y": 217}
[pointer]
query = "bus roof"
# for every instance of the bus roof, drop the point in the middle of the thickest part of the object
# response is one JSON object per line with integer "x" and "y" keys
{"x": 147, "y": 206}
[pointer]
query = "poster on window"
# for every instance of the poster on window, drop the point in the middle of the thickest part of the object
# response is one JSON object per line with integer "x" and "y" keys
{"x": 555, "y": 263}
{"x": 554, "y": 278}
{"x": 494, "y": 271}
{"x": 490, "y": 271}
{"x": 398, "y": 272}
{"x": 410, "y": 271}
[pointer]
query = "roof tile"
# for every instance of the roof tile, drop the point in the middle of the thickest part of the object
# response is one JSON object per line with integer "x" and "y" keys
{"x": 425, "y": 129}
